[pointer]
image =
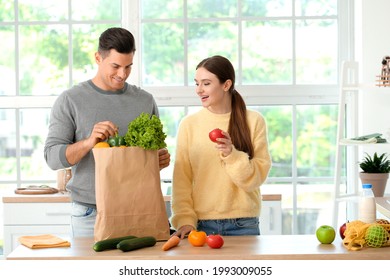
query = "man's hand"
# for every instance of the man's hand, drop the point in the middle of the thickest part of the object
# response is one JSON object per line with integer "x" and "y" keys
{"x": 164, "y": 158}
{"x": 100, "y": 132}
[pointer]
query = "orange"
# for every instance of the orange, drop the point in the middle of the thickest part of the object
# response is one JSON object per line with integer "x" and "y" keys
{"x": 102, "y": 145}
{"x": 197, "y": 238}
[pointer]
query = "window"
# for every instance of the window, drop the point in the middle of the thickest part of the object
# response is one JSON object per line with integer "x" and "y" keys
{"x": 286, "y": 54}
{"x": 50, "y": 46}
{"x": 266, "y": 40}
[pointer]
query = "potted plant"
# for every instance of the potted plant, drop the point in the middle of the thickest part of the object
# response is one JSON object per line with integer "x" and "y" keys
{"x": 375, "y": 172}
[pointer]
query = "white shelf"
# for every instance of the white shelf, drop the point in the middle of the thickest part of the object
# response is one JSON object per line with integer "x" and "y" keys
{"x": 363, "y": 144}
{"x": 348, "y": 84}
{"x": 349, "y": 87}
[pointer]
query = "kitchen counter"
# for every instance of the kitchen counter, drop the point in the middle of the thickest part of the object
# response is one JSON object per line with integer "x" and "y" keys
{"x": 45, "y": 198}
{"x": 65, "y": 197}
{"x": 264, "y": 247}
{"x": 42, "y": 214}
{"x": 37, "y": 198}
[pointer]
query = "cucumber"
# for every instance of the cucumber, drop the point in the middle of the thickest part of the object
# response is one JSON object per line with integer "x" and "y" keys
{"x": 136, "y": 243}
{"x": 109, "y": 244}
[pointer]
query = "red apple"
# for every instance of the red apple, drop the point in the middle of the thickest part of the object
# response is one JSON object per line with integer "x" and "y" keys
{"x": 342, "y": 229}
{"x": 326, "y": 234}
{"x": 215, "y": 134}
{"x": 215, "y": 241}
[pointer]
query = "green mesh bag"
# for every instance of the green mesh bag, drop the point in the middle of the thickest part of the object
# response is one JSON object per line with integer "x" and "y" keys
{"x": 376, "y": 236}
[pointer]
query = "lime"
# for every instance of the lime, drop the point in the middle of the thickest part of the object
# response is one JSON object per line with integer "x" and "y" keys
{"x": 376, "y": 236}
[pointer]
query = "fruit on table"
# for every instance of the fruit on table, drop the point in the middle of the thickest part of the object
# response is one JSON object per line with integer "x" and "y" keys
{"x": 383, "y": 222}
{"x": 215, "y": 241}
{"x": 102, "y": 145}
{"x": 376, "y": 236}
{"x": 342, "y": 230}
{"x": 215, "y": 134}
{"x": 325, "y": 234}
{"x": 136, "y": 243}
{"x": 111, "y": 243}
{"x": 197, "y": 238}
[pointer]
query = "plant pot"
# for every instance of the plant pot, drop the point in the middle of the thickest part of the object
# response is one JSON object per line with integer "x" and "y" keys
{"x": 377, "y": 180}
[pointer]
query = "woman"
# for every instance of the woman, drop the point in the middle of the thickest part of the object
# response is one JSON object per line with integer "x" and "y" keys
{"x": 216, "y": 186}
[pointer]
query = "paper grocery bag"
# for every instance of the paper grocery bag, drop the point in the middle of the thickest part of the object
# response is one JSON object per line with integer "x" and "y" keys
{"x": 129, "y": 200}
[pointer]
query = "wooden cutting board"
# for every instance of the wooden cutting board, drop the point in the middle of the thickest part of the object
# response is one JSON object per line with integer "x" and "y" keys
{"x": 36, "y": 190}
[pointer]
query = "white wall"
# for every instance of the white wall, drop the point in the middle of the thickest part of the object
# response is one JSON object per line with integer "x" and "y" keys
{"x": 372, "y": 44}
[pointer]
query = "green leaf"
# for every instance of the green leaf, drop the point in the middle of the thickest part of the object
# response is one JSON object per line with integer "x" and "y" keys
{"x": 146, "y": 132}
{"x": 375, "y": 164}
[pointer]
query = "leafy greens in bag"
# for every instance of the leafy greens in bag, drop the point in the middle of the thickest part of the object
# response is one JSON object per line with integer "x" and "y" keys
{"x": 146, "y": 132}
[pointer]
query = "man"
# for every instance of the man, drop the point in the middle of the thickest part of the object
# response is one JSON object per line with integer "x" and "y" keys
{"x": 91, "y": 112}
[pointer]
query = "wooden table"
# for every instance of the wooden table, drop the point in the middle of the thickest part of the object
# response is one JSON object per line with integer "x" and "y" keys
{"x": 265, "y": 247}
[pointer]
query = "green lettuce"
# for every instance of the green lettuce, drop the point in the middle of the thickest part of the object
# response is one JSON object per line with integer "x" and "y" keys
{"x": 146, "y": 132}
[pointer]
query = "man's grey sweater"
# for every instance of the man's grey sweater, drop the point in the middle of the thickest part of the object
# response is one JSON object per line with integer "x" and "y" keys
{"x": 73, "y": 116}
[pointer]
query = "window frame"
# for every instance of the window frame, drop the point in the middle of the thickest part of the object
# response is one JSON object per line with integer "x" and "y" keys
{"x": 253, "y": 94}
{"x": 293, "y": 95}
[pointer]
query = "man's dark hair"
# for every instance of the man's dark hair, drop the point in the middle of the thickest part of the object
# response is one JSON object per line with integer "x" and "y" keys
{"x": 116, "y": 38}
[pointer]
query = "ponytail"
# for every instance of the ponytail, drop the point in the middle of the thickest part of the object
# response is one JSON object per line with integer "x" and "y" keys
{"x": 238, "y": 126}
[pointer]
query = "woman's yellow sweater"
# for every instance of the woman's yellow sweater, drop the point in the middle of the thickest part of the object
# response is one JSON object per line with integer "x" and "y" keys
{"x": 207, "y": 185}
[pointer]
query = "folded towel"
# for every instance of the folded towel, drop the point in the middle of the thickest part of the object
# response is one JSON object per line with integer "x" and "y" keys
{"x": 366, "y": 139}
{"x": 43, "y": 241}
{"x": 354, "y": 141}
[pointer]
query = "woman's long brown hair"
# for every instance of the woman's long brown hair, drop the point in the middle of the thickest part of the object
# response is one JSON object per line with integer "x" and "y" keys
{"x": 238, "y": 125}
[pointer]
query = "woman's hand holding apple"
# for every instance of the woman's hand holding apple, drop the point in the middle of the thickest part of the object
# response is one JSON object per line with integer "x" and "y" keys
{"x": 223, "y": 140}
